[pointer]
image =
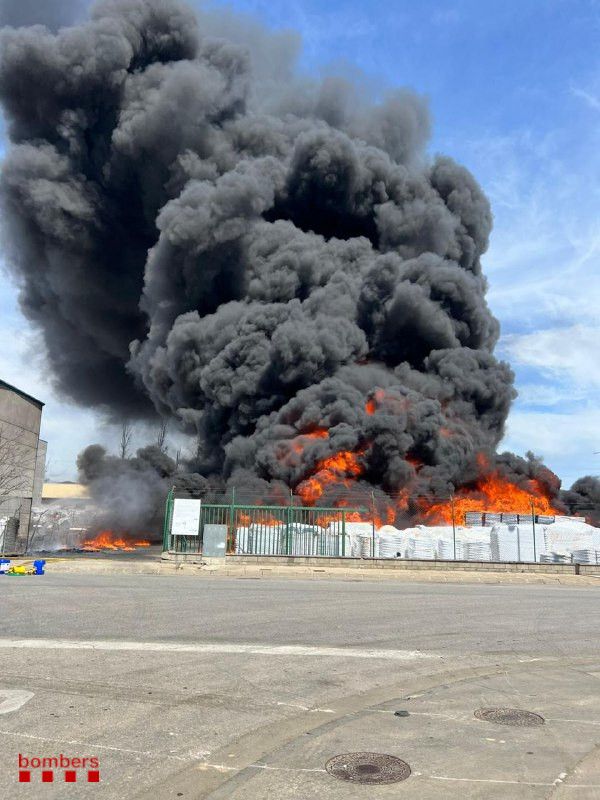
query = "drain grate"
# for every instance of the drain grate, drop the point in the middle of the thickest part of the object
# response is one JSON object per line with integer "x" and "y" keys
{"x": 510, "y": 716}
{"x": 368, "y": 768}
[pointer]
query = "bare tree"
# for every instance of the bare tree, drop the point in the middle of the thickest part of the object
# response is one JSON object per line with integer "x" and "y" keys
{"x": 17, "y": 463}
{"x": 36, "y": 526}
{"x": 161, "y": 436}
{"x": 17, "y": 468}
{"x": 125, "y": 443}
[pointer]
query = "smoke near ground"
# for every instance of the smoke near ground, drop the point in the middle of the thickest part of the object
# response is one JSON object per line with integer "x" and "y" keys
{"x": 200, "y": 234}
{"x": 129, "y": 492}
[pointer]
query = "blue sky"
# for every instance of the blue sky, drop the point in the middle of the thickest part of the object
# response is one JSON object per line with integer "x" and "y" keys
{"x": 514, "y": 93}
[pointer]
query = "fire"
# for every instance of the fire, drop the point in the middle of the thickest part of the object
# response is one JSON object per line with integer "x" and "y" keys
{"x": 338, "y": 469}
{"x": 290, "y": 448}
{"x": 299, "y": 443}
{"x": 491, "y": 492}
{"x": 107, "y": 540}
{"x": 394, "y": 404}
{"x": 373, "y": 402}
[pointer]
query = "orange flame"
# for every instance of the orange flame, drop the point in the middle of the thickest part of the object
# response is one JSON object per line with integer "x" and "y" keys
{"x": 491, "y": 492}
{"x": 374, "y": 401}
{"x": 335, "y": 469}
{"x": 394, "y": 404}
{"x": 107, "y": 540}
{"x": 299, "y": 442}
{"x": 289, "y": 448}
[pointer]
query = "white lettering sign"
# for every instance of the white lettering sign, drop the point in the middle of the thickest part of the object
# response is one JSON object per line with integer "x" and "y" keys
{"x": 186, "y": 517}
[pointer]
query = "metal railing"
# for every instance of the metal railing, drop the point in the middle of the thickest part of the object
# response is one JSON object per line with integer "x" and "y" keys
{"x": 267, "y": 530}
{"x": 296, "y": 530}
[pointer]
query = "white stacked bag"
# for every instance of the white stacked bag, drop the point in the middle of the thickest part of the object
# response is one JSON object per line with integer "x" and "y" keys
{"x": 565, "y": 540}
{"x": 241, "y": 541}
{"x": 515, "y": 542}
{"x": 445, "y": 549}
{"x": 392, "y": 542}
{"x": 586, "y": 556}
{"x": 420, "y": 543}
{"x": 567, "y": 536}
{"x": 265, "y": 540}
{"x": 477, "y": 550}
{"x": 356, "y": 532}
{"x": 475, "y": 542}
{"x": 304, "y": 539}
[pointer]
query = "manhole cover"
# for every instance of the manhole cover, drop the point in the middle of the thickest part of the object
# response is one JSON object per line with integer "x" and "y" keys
{"x": 368, "y": 768}
{"x": 510, "y": 716}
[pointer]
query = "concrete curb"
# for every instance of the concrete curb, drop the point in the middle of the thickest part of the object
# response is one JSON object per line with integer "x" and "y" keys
{"x": 266, "y": 571}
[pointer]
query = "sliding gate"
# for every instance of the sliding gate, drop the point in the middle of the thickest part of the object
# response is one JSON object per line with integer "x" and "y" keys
{"x": 267, "y": 530}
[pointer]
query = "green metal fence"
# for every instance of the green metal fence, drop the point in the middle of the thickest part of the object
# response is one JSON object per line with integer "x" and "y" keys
{"x": 267, "y": 530}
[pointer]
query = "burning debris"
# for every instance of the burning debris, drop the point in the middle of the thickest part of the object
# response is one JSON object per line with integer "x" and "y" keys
{"x": 106, "y": 540}
{"x": 62, "y": 526}
{"x": 274, "y": 263}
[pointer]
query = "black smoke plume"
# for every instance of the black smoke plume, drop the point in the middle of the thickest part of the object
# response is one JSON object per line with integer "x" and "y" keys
{"x": 201, "y": 235}
{"x": 129, "y": 492}
{"x": 583, "y": 499}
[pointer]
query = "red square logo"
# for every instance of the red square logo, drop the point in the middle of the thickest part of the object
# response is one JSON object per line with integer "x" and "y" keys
{"x": 24, "y": 776}
{"x": 47, "y": 776}
{"x": 93, "y": 776}
{"x": 70, "y": 776}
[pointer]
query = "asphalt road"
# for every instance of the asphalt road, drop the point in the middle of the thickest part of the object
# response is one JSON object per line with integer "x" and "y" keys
{"x": 194, "y": 688}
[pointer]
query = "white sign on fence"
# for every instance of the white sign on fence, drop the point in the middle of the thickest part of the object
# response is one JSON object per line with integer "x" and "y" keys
{"x": 186, "y": 517}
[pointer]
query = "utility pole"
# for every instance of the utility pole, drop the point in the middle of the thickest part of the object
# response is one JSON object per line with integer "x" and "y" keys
{"x": 453, "y": 524}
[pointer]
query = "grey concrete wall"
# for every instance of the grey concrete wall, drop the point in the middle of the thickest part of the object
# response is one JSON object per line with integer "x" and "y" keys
{"x": 396, "y": 564}
{"x": 20, "y": 420}
{"x": 40, "y": 472}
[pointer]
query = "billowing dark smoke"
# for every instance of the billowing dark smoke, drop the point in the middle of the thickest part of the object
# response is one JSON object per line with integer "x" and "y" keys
{"x": 204, "y": 236}
{"x": 583, "y": 499}
{"x": 128, "y": 491}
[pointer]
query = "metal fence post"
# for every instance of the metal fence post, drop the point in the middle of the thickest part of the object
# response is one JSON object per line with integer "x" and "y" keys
{"x": 343, "y": 532}
{"x": 453, "y": 526}
{"x": 288, "y": 533}
{"x": 373, "y": 525}
{"x": 231, "y": 544}
{"x": 168, "y": 518}
{"x": 533, "y": 526}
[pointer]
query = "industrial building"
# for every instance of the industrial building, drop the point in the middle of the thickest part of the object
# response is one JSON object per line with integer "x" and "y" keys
{"x": 22, "y": 465}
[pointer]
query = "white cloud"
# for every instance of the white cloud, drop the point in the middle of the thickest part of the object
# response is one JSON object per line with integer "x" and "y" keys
{"x": 590, "y": 99}
{"x": 568, "y": 442}
{"x": 571, "y": 354}
{"x": 543, "y": 268}
{"x": 543, "y": 264}
{"x": 549, "y": 395}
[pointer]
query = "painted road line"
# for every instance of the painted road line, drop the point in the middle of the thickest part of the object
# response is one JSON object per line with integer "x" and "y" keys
{"x": 13, "y": 699}
{"x": 210, "y": 648}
